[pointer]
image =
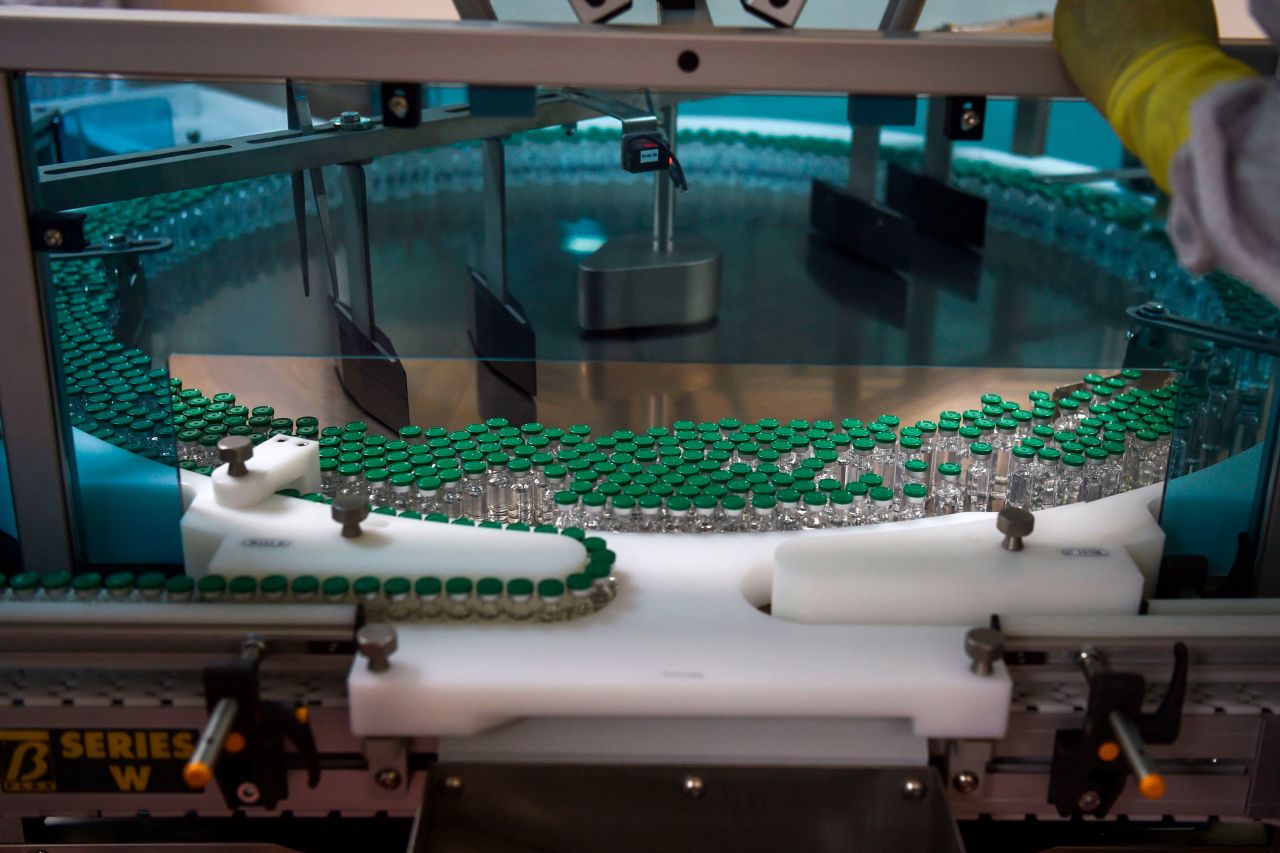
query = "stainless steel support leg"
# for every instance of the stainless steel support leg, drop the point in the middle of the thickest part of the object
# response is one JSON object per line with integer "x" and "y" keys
{"x": 937, "y": 147}
{"x": 664, "y": 193}
{"x": 39, "y": 469}
{"x": 1030, "y": 127}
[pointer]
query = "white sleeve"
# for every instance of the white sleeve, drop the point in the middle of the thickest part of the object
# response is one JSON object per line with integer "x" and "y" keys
{"x": 1225, "y": 211}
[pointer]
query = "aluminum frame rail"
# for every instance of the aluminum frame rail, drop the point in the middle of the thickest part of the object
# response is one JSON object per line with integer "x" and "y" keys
{"x": 197, "y": 44}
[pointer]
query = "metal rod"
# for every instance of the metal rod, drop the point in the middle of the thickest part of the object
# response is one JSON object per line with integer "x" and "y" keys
{"x": 864, "y": 161}
{"x": 664, "y": 193}
{"x": 937, "y": 147}
{"x": 901, "y": 15}
{"x": 1150, "y": 782}
{"x": 199, "y": 770}
{"x": 28, "y": 628}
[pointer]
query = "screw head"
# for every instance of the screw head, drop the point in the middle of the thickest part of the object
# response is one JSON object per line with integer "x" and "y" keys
{"x": 966, "y": 782}
{"x": 1089, "y": 801}
{"x": 388, "y": 778}
{"x": 349, "y": 510}
{"x": 247, "y": 792}
{"x": 984, "y": 646}
{"x": 969, "y": 119}
{"x": 52, "y": 237}
{"x": 235, "y": 450}
{"x": 693, "y": 787}
{"x": 914, "y": 790}
{"x": 377, "y": 642}
{"x": 451, "y": 786}
{"x": 398, "y": 105}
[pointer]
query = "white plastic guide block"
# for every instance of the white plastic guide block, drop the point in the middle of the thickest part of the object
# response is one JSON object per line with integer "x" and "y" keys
{"x": 685, "y": 639}
{"x": 288, "y": 536}
{"x": 280, "y": 462}
{"x": 1077, "y": 561}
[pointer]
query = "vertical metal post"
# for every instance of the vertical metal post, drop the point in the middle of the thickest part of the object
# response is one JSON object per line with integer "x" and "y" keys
{"x": 864, "y": 147}
{"x": 493, "y": 249}
{"x": 864, "y": 160}
{"x": 38, "y": 467}
{"x": 664, "y": 193}
{"x": 937, "y": 147}
{"x": 355, "y": 227}
{"x": 1030, "y": 127}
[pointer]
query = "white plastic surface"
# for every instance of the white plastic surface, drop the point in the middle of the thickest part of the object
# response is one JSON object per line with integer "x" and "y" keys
{"x": 280, "y": 462}
{"x": 684, "y": 639}
{"x": 959, "y": 573}
{"x": 283, "y": 535}
{"x": 832, "y": 742}
{"x": 681, "y": 640}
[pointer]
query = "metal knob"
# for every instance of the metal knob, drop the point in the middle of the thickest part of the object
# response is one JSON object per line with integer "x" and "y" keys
{"x": 349, "y": 510}
{"x": 377, "y": 642}
{"x": 984, "y": 646}
{"x": 235, "y": 450}
{"x": 1015, "y": 523}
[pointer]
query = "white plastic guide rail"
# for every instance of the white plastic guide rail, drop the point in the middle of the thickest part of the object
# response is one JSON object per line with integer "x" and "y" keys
{"x": 239, "y": 525}
{"x": 686, "y": 638}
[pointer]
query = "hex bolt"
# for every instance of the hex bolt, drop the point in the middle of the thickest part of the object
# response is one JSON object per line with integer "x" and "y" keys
{"x": 235, "y": 450}
{"x": 451, "y": 786}
{"x": 984, "y": 647}
{"x": 693, "y": 787}
{"x": 914, "y": 790}
{"x": 349, "y": 510}
{"x": 1015, "y": 523}
{"x": 966, "y": 782}
{"x": 388, "y": 778}
{"x": 377, "y": 642}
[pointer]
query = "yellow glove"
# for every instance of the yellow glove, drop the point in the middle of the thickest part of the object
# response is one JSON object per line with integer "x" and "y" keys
{"x": 1143, "y": 63}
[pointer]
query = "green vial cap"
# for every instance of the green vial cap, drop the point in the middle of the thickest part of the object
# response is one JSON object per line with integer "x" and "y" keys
{"x": 56, "y": 580}
{"x": 207, "y": 584}
{"x": 274, "y": 584}
{"x": 1021, "y": 451}
{"x": 949, "y": 469}
{"x": 915, "y": 490}
{"x": 1049, "y": 453}
{"x": 84, "y": 582}
{"x": 367, "y": 585}
{"x": 980, "y": 448}
{"x": 180, "y": 585}
{"x": 427, "y": 587}
{"x": 550, "y": 588}
{"x": 881, "y": 494}
{"x": 242, "y": 585}
{"x": 305, "y": 585}
{"x": 335, "y": 586}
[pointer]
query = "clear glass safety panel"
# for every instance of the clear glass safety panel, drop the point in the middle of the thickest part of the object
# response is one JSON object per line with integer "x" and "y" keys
{"x": 813, "y": 362}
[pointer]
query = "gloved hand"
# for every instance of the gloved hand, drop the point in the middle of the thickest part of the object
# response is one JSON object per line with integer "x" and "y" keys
{"x": 1143, "y": 63}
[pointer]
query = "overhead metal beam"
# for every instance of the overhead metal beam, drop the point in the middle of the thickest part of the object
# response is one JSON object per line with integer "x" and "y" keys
{"x": 107, "y": 179}
{"x": 186, "y": 45}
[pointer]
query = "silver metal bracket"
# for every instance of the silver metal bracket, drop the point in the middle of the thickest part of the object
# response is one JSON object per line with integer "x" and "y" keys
{"x": 492, "y": 807}
{"x": 388, "y": 760}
